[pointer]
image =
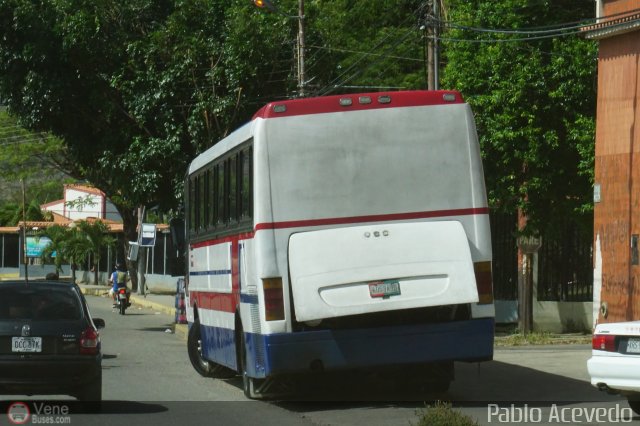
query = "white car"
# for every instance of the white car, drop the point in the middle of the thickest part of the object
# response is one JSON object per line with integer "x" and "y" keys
{"x": 614, "y": 366}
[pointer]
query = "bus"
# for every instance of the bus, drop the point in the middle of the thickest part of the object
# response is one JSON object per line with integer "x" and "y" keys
{"x": 340, "y": 233}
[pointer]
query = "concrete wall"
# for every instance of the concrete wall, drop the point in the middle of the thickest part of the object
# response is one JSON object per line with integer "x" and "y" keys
{"x": 553, "y": 317}
{"x": 562, "y": 317}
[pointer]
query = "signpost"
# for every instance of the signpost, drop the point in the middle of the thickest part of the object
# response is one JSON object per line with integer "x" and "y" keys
{"x": 528, "y": 247}
{"x": 147, "y": 235}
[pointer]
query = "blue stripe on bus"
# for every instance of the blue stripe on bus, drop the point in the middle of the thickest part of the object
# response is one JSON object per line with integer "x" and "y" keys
{"x": 219, "y": 345}
{"x": 249, "y": 298}
{"x": 214, "y": 272}
{"x": 470, "y": 340}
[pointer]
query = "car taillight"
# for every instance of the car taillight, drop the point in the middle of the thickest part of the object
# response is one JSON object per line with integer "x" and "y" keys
{"x": 89, "y": 342}
{"x": 484, "y": 282}
{"x": 273, "y": 299}
{"x": 604, "y": 342}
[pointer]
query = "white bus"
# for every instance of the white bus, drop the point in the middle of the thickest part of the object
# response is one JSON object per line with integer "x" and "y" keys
{"x": 340, "y": 233}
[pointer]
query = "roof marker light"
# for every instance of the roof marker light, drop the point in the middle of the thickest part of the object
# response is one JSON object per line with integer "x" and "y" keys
{"x": 346, "y": 101}
{"x": 279, "y": 108}
{"x": 364, "y": 100}
{"x": 449, "y": 97}
{"x": 385, "y": 99}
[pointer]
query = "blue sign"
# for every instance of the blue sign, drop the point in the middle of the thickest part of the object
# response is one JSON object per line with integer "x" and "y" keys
{"x": 35, "y": 246}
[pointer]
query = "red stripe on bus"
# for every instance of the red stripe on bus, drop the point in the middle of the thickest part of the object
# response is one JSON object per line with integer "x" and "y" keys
{"x": 228, "y": 239}
{"x": 372, "y": 218}
{"x": 327, "y": 104}
{"x": 225, "y": 302}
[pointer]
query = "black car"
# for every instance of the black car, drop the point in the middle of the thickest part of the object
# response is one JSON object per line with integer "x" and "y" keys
{"x": 49, "y": 344}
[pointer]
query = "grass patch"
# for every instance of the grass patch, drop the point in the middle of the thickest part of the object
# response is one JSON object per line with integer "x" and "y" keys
{"x": 541, "y": 338}
{"x": 441, "y": 414}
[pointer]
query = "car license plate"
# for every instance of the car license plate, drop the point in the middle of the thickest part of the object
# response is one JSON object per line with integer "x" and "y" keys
{"x": 26, "y": 344}
{"x": 384, "y": 289}
{"x": 633, "y": 346}
{"x": 122, "y": 296}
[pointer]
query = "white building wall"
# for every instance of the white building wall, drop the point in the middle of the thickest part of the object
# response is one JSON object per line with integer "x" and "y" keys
{"x": 83, "y": 204}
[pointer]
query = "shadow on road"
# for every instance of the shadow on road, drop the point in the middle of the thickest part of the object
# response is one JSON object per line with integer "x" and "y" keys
{"x": 475, "y": 385}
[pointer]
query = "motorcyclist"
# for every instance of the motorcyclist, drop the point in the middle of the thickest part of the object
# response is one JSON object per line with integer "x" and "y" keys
{"x": 118, "y": 279}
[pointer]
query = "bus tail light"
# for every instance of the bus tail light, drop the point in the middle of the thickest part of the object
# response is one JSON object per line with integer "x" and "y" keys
{"x": 484, "y": 282}
{"x": 604, "y": 342}
{"x": 273, "y": 299}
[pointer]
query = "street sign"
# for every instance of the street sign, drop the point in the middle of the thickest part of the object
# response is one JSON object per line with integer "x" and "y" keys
{"x": 133, "y": 251}
{"x": 529, "y": 244}
{"x": 148, "y": 235}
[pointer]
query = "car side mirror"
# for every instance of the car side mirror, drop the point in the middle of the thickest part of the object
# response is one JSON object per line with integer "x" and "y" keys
{"x": 99, "y": 323}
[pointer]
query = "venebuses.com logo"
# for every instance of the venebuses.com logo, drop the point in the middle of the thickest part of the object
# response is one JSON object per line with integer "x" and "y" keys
{"x": 18, "y": 413}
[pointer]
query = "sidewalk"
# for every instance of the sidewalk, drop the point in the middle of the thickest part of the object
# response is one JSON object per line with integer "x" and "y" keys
{"x": 164, "y": 303}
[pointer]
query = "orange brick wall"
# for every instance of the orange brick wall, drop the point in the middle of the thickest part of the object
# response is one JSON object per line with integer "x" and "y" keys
{"x": 618, "y": 6}
{"x": 617, "y": 170}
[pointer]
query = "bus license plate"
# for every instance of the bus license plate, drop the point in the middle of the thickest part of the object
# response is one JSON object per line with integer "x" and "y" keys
{"x": 384, "y": 289}
{"x": 26, "y": 344}
{"x": 633, "y": 346}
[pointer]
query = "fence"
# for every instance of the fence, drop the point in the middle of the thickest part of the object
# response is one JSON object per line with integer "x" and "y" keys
{"x": 565, "y": 268}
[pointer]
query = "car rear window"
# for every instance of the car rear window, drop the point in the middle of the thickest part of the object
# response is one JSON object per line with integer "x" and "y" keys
{"x": 39, "y": 303}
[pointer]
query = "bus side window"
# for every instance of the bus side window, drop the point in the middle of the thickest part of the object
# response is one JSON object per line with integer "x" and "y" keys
{"x": 212, "y": 200}
{"x": 192, "y": 204}
{"x": 202, "y": 201}
{"x": 246, "y": 184}
{"x": 233, "y": 189}
{"x": 220, "y": 198}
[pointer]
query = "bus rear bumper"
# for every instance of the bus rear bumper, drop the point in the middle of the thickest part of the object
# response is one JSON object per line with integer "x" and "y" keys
{"x": 328, "y": 350}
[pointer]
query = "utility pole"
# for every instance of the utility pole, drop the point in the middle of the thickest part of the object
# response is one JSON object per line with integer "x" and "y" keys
{"x": 24, "y": 233}
{"x": 142, "y": 255}
{"x": 301, "y": 73}
{"x": 268, "y": 5}
{"x": 433, "y": 18}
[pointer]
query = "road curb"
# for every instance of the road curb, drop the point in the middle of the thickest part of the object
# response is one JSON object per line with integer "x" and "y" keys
{"x": 181, "y": 330}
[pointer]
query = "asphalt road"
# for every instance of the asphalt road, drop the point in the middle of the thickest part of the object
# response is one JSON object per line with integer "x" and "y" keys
{"x": 147, "y": 380}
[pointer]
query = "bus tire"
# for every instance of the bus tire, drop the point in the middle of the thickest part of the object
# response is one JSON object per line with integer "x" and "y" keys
{"x": 194, "y": 348}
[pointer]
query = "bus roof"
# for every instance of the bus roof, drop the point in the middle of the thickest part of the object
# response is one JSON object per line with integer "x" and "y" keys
{"x": 358, "y": 101}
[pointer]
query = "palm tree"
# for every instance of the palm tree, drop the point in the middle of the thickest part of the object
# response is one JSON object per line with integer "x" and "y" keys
{"x": 56, "y": 249}
{"x": 77, "y": 247}
{"x": 97, "y": 237}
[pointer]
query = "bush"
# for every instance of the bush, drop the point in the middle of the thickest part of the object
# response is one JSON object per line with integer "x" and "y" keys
{"x": 441, "y": 414}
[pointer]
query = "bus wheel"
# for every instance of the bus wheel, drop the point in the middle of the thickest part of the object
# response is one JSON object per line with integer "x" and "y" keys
{"x": 194, "y": 347}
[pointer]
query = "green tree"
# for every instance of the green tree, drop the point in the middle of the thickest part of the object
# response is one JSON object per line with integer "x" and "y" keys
{"x": 11, "y": 213}
{"x": 56, "y": 250}
{"x": 534, "y": 102}
{"x": 77, "y": 248}
{"x": 97, "y": 238}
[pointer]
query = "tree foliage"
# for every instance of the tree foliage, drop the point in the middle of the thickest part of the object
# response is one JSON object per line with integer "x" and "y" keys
{"x": 35, "y": 158}
{"x": 135, "y": 89}
{"x": 534, "y": 103}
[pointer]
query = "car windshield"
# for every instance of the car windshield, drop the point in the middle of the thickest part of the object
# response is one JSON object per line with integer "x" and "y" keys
{"x": 38, "y": 303}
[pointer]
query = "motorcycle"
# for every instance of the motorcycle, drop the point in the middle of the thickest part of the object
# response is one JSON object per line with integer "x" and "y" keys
{"x": 122, "y": 300}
